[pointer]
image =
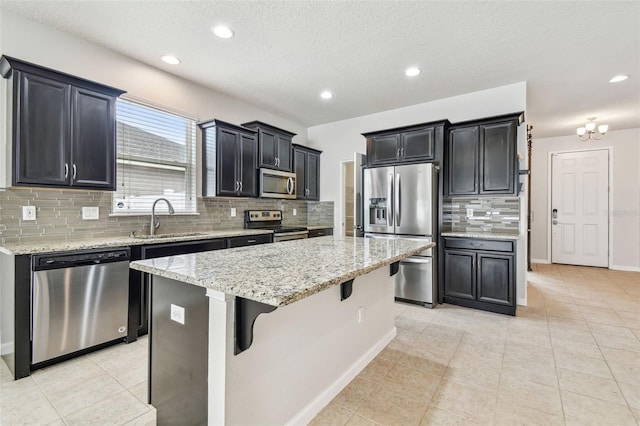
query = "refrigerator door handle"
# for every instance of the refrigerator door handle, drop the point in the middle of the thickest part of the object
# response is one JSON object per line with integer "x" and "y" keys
{"x": 398, "y": 200}
{"x": 389, "y": 203}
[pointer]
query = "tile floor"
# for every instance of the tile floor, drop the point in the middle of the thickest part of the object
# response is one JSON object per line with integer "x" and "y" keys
{"x": 571, "y": 357}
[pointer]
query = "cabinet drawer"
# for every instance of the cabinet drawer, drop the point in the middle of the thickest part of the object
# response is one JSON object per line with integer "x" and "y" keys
{"x": 320, "y": 232}
{"x": 248, "y": 240}
{"x": 478, "y": 244}
{"x": 186, "y": 247}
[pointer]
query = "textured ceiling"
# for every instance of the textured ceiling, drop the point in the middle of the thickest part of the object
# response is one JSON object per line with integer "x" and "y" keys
{"x": 285, "y": 53}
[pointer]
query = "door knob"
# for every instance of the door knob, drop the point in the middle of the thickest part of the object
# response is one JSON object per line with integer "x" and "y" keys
{"x": 555, "y": 222}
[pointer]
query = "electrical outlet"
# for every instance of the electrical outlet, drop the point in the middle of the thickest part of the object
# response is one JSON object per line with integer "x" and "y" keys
{"x": 28, "y": 212}
{"x": 469, "y": 212}
{"x": 177, "y": 314}
{"x": 90, "y": 213}
{"x": 360, "y": 314}
{"x": 233, "y": 212}
{"x": 295, "y": 212}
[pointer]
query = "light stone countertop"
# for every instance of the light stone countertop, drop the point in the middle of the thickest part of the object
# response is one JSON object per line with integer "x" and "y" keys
{"x": 282, "y": 273}
{"x": 51, "y": 246}
{"x": 485, "y": 235}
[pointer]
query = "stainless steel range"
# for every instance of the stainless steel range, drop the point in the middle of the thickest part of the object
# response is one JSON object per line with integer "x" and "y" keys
{"x": 272, "y": 220}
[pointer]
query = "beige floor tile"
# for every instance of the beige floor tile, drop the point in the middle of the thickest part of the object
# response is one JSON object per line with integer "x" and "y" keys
{"x": 37, "y": 410}
{"x": 386, "y": 407}
{"x": 470, "y": 357}
{"x": 530, "y": 394}
{"x": 624, "y": 373}
{"x": 465, "y": 402}
{"x": 332, "y": 415}
{"x": 576, "y": 347}
{"x": 579, "y": 334}
{"x": 406, "y": 337}
{"x": 631, "y": 394}
{"x": 437, "y": 417}
{"x": 590, "y": 385}
{"x": 376, "y": 370}
{"x": 117, "y": 410}
{"x": 409, "y": 381}
{"x": 423, "y": 362}
{"x": 484, "y": 341}
{"x": 531, "y": 372}
{"x": 147, "y": 419}
{"x": 509, "y": 414}
{"x": 482, "y": 378}
{"x": 612, "y": 330}
{"x": 357, "y": 420}
{"x": 605, "y": 340}
{"x": 526, "y": 353}
{"x": 356, "y": 392}
{"x": 394, "y": 351}
{"x": 419, "y": 312}
{"x": 140, "y": 391}
{"x": 579, "y": 363}
{"x": 14, "y": 392}
{"x": 68, "y": 401}
{"x": 620, "y": 356}
{"x": 66, "y": 374}
{"x": 411, "y": 324}
{"x": 584, "y": 410}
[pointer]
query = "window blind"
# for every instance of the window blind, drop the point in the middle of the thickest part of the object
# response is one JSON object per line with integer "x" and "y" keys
{"x": 155, "y": 158}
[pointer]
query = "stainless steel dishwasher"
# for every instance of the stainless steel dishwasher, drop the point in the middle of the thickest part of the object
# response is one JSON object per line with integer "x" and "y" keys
{"x": 78, "y": 300}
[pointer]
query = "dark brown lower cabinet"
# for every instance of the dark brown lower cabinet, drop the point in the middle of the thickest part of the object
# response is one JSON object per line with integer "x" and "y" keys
{"x": 480, "y": 274}
{"x": 320, "y": 232}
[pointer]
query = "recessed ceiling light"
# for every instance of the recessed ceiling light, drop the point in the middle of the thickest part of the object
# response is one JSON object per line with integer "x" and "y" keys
{"x": 619, "y": 78}
{"x": 412, "y": 72}
{"x": 222, "y": 31}
{"x": 172, "y": 60}
{"x": 326, "y": 95}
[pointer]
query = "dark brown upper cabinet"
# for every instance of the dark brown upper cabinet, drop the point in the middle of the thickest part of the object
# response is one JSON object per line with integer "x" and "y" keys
{"x": 229, "y": 160}
{"x": 274, "y": 146}
{"x": 411, "y": 144}
{"x": 481, "y": 157}
{"x": 306, "y": 165}
{"x": 63, "y": 128}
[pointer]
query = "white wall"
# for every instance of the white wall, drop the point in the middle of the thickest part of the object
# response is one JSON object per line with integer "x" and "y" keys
{"x": 33, "y": 42}
{"x": 625, "y": 211}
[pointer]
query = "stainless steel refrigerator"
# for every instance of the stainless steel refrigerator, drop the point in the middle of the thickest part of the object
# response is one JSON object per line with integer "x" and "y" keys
{"x": 401, "y": 201}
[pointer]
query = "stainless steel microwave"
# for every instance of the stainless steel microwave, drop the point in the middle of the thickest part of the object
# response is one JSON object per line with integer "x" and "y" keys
{"x": 277, "y": 184}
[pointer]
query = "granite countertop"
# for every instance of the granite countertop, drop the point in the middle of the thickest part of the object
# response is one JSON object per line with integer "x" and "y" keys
{"x": 314, "y": 227}
{"x": 50, "y": 246}
{"x": 282, "y": 273}
{"x": 486, "y": 235}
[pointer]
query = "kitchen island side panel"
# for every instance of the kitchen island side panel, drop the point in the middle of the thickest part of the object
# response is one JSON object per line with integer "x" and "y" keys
{"x": 305, "y": 353}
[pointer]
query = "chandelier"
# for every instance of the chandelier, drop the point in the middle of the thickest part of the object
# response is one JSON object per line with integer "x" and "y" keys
{"x": 589, "y": 130}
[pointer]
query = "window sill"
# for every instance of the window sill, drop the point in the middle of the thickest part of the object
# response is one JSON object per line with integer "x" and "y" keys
{"x": 149, "y": 214}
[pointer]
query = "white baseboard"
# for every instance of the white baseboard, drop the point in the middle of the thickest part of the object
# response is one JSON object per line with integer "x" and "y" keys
{"x": 6, "y": 348}
{"x": 543, "y": 261}
{"x": 310, "y": 411}
{"x": 625, "y": 268}
{"x": 521, "y": 301}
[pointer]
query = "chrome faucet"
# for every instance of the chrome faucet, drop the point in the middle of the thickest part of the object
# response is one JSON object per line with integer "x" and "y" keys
{"x": 155, "y": 224}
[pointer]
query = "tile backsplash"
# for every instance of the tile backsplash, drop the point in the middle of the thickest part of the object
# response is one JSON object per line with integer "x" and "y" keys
{"x": 59, "y": 215}
{"x": 481, "y": 214}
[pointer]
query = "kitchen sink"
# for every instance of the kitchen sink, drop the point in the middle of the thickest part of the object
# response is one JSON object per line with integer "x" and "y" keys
{"x": 172, "y": 235}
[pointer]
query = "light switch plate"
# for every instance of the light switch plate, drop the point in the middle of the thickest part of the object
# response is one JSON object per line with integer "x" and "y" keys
{"x": 295, "y": 212}
{"x": 90, "y": 213}
{"x": 233, "y": 212}
{"x": 469, "y": 212}
{"x": 28, "y": 212}
{"x": 177, "y": 314}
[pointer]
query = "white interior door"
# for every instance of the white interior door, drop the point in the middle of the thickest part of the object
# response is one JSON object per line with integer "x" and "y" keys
{"x": 580, "y": 208}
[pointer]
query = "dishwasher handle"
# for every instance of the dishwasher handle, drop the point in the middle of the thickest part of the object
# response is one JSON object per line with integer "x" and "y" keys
{"x": 68, "y": 260}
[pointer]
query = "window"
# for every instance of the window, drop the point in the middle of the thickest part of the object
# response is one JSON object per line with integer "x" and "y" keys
{"x": 156, "y": 158}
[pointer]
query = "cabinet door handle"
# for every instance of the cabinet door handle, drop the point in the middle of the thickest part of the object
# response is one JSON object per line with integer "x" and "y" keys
{"x": 66, "y": 170}
{"x": 74, "y": 172}
{"x": 477, "y": 245}
{"x": 398, "y": 152}
{"x": 237, "y": 186}
{"x": 402, "y": 152}
{"x": 240, "y": 186}
{"x": 251, "y": 241}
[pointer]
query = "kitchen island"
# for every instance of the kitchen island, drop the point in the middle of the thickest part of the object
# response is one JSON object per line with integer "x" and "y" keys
{"x": 268, "y": 334}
